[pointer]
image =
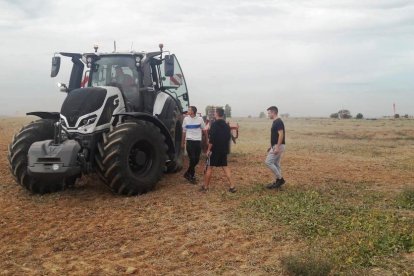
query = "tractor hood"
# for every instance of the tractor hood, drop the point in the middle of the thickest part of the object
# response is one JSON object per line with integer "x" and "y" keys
{"x": 82, "y": 101}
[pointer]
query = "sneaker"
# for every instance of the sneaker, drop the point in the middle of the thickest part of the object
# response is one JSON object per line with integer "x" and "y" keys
{"x": 190, "y": 178}
{"x": 232, "y": 190}
{"x": 279, "y": 183}
{"x": 193, "y": 180}
{"x": 271, "y": 185}
{"x": 187, "y": 176}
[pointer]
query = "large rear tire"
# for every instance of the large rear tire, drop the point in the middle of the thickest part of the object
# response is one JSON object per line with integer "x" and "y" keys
{"x": 172, "y": 119}
{"x": 134, "y": 157}
{"x": 36, "y": 131}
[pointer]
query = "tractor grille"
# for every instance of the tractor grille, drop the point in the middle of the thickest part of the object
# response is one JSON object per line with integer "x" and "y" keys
{"x": 48, "y": 159}
{"x": 82, "y": 101}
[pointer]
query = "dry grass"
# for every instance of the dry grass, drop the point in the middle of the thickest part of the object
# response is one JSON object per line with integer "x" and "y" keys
{"x": 355, "y": 171}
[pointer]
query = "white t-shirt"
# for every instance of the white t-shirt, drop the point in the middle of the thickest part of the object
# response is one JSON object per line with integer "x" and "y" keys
{"x": 192, "y": 127}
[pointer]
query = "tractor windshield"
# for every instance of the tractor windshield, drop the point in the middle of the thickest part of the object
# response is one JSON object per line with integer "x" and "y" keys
{"x": 120, "y": 71}
{"x": 115, "y": 69}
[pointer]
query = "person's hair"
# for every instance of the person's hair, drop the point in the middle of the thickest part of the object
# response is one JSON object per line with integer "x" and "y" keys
{"x": 194, "y": 109}
{"x": 220, "y": 112}
{"x": 273, "y": 109}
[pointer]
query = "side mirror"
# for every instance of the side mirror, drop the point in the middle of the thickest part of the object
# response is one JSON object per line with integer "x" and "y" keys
{"x": 55, "y": 66}
{"x": 169, "y": 66}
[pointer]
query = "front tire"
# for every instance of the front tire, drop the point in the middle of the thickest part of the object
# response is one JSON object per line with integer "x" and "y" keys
{"x": 134, "y": 157}
{"x": 99, "y": 157}
{"x": 36, "y": 131}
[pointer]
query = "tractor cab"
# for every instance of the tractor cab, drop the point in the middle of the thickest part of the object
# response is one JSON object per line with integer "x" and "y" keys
{"x": 140, "y": 76}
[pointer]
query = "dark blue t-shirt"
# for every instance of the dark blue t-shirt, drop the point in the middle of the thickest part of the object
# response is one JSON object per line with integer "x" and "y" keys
{"x": 219, "y": 136}
{"x": 274, "y": 133}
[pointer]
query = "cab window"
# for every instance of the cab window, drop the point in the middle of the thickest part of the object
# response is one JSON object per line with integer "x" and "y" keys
{"x": 175, "y": 83}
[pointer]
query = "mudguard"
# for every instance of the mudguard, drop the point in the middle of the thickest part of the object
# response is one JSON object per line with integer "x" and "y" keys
{"x": 45, "y": 115}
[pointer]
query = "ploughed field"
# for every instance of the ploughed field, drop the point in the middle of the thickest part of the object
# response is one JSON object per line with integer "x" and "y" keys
{"x": 347, "y": 208}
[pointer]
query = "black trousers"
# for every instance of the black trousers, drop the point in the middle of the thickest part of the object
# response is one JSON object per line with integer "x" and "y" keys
{"x": 193, "y": 151}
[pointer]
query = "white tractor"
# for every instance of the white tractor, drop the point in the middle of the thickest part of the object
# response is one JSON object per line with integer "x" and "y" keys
{"x": 122, "y": 119}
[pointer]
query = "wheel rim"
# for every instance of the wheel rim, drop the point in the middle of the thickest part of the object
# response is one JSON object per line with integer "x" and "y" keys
{"x": 141, "y": 157}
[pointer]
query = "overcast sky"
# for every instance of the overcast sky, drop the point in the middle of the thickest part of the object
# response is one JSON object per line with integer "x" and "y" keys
{"x": 309, "y": 58}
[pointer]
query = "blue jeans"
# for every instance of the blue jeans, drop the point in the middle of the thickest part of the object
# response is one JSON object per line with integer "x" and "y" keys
{"x": 273, "y": 161}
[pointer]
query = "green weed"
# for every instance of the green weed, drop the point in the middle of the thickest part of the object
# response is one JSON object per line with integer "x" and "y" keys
{"x": 406, "y": 199}
{"x": 355, "y": 234}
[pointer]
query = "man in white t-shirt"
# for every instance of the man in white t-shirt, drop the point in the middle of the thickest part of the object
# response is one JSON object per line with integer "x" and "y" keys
{"x": 193, "y": 126}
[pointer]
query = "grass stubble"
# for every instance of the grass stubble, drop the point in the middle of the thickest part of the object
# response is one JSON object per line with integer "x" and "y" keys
{"x": 347, "y": 208}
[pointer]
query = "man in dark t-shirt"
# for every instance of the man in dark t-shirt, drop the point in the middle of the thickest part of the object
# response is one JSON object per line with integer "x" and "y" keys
{"x": 218, "y": 148}
{"x": 277, "y": 147}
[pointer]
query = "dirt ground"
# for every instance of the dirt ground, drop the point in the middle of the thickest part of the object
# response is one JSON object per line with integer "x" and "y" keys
{"x": 178, "y": 230}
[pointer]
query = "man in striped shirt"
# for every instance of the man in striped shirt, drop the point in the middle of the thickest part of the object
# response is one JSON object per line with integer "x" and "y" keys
{"x": 193, "y": 126}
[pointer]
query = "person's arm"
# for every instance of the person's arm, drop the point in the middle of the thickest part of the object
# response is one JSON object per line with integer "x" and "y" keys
{"x": 279, "y": 141}
{"x": 183, "y": 140}
{"x": 228, "y": 132}
{"x": 211, "y": 136}
{"x": 184, "y": 132}
{"x": 204, "y": 129}
{"x": 202, "y": 124}
{"x": 209, "y": 149}
{"x": 206, "y": 134}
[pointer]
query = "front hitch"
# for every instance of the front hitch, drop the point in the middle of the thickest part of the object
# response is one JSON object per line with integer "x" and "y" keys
{"x": 50, "y": 160}
{"x": 57, "y": 138}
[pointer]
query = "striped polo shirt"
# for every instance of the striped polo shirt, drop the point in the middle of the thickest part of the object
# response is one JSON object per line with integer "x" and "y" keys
{"x": 192, "y": 127}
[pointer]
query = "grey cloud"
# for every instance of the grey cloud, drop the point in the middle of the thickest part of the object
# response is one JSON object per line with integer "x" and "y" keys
{"x": 245, "y": 53}
{"x": 29, "y": 9}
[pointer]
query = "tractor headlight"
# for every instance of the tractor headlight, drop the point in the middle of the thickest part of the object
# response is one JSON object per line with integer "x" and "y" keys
{"x": 88, "y": 120}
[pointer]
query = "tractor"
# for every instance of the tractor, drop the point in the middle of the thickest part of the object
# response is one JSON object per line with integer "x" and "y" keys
{"x": 121, "y": 119}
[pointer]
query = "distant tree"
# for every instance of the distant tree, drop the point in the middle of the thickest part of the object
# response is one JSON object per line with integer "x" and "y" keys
{"x": 227, "y": 111}
{"x": 396, "y": 116}
{"x": 249, "y": 116}
{"x": 262, "y": 115}
{"x": 334, "y": 115}
{"x": 344, "y": 114}
{"x": 406, "y": 116}
{"x": 284, "y": 115}
{"x": 359, "y": 116}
